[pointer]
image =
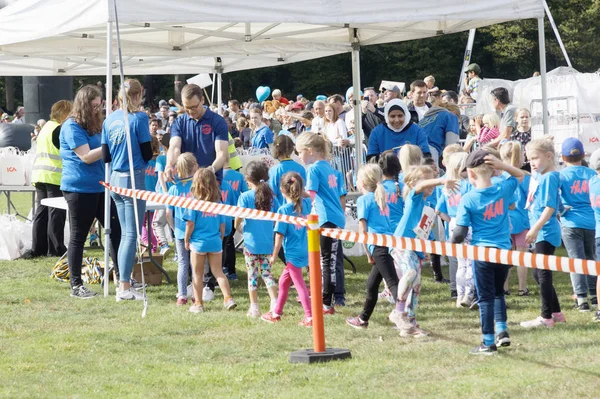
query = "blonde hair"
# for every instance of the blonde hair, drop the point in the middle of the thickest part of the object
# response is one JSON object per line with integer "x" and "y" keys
{"x": 492, "y": 151}
{"x": 186, "y": 165}
{"x": 205, "y": 186}
{"x": 484, "y": 170}
{"x": 451, "y": 150}
{"x": 545, "y": 144}
{"x": 410, "y": 156}
{"x": 315, "y": 142}
{"x": 241, "y": 123}
{"x": 456, "y": 164}
{"x": 370, "y": 177}
{"x": 492, "y": 119}
{"x": 133, "y": 90}
{"x": 60, "y": 111}
{"x": 429, "y": 78}
{"x": 413, "y": 176}
{"x": 511, "y": 153}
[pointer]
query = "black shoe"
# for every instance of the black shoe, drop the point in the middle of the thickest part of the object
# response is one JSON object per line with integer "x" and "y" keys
{"x": 502, "y": 339}
{"x": 82, "y": 293}
{"x": 485, "y": 350}
{"x": 596, "y": 318}
{"x": 453, "y": 294}
{"x": 584, "y": 307}
{"x": 594, "y": 301}
{"x": 474, "y": 304}
{"x": 524, "y": 292}
{"x": 442, "y": 281}
{"x": 506, "y": 293}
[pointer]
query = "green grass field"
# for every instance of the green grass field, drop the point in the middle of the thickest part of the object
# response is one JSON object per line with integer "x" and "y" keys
{"x": 52, "y": 345}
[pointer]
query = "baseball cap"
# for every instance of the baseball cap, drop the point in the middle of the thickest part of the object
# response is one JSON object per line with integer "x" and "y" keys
{"x": 572, "y": 146}
{"x": 393, "y": 88}
{"x": 595, "y": 160}
{"x": 163, "y": 103}
{"x": 473, "y": 67}
{"x": 476, "y": 158}
{"x": 298, "y": 105}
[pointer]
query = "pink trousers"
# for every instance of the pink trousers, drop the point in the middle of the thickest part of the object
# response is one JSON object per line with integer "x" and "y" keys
{"x": 293, "y": 274}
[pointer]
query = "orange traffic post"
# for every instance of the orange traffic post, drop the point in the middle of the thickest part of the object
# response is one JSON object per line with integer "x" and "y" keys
{"x": 319, "y": 353}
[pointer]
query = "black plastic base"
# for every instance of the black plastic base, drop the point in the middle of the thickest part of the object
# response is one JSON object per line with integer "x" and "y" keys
{"x": 309, "y": 356}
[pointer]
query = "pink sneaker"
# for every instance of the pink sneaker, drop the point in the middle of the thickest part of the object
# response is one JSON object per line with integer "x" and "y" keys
{"x": 269, "y": 317}
{"x": 538, "y": 322}
{"x": 328, "y": 310}
{"x": 181, "y": 301}
{"x": 559, "y": 318}
{"x": 307, "y": 322}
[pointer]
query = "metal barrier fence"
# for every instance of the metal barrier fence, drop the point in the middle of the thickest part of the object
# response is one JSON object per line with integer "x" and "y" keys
{"x": 344, "y": 160}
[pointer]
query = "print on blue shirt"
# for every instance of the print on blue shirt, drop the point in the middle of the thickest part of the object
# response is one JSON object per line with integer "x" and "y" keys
{"x": 258, "y": 234}
{"x": 295, "y": 239}
{"x": 180, "y": 189}
{"x": 206, "y": 236}
{"x": 322, "y": 179}
{"x": 114, "y": 135}
{"x": 575, "y": 193}
{"x": 541, "y": 195}
{"x": 377, "y": 219}
{"x": 394, "y": 201}
{"x": 595, "y": 201}
{"x": 277, "y": 172}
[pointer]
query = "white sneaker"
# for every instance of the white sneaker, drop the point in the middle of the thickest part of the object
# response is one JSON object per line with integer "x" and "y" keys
{"x": 466, "y": 301}
{"x": 196, "y": 309}
{"x": 230, "y": 304}
{"x": 395, "y": 317}
{"x": 129, "y": 295}
{"x": 165, "y": 250}
{"x": 459, "y": 300}
{"x": 207, "y": 295}
{"x": 253, "y": 312}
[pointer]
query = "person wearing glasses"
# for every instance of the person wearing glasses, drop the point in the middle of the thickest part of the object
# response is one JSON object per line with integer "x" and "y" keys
{"x": 83, "y": 169}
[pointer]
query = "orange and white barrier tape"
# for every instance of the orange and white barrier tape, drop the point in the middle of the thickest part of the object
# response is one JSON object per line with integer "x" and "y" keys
{"x": 206, "y": 206}
{"x": 484, "y": 254}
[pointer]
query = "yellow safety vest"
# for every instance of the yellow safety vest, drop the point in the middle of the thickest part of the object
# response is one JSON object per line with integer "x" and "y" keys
{"x": 234, "y": 161}
{"x": 47, "y": 166}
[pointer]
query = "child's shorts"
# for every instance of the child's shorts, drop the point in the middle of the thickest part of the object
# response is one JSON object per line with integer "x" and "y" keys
{"x": 518, "y": 240}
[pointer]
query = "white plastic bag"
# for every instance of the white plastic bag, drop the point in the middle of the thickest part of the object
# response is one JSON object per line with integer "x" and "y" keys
{"x": 15, "y": 237}
{"x": 28, "y": 158}
{"x": 352, "y": 248}
{"x": 12, "y": 171}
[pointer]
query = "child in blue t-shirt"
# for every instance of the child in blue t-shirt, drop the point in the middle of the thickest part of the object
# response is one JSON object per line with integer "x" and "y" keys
{"x": 390, "y": 167}
{"x": 159, "y": 221}
{"x": 447, "y": 208}
{"x": 595, "y": 201}
{"x": 229, "y": 196}
{"x": 238, "y": 185}
{"x": 204, "y": 233}
{"x": 577, "y": 221}
{"x": 283, "y": 147}
{"x": 485, "y": 210}
{"x": 295, "y": 245}
{"x": 374, "y": 217}
{"x": 339, "y": 294}
{"x": 416, "y": 222}
{"x": 186, "y": 167}
{"x": 431, "y": 201}
{"x": 512, "y": 153}
{"x": 258, "y": 234}
{"x": 543, "y": 202}
{"x": 322, "y": 186}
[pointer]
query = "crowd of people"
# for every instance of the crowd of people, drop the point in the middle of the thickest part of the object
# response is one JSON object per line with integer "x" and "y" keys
{"x": 507, "y": 194}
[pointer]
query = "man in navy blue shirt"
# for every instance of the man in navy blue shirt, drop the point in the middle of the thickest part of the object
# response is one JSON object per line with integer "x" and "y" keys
{"x": 199, "y": 131}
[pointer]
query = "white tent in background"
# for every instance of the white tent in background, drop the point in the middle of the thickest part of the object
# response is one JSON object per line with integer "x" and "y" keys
{"x": 75, "y": 37}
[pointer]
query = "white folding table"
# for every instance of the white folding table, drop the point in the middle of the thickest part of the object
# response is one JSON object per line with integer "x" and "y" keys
{"x": 6, "y": 190}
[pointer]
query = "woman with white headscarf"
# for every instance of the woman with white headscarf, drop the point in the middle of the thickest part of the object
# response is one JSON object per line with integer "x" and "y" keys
{"x": 397, "y": 131}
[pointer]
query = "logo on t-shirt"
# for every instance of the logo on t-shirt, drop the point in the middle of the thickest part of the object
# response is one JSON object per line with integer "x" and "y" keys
{"x": 235, "y": 184}
{"x": 454, "y": 199}
{"x": 332, "y": 180}
{"x": 206, "y": 129}
{"x": 224, "y": 195}
{"x": 494, "y": 210}
{"x": 391, "y": 198}
{"x": 595, "y": 201}
{"x": 580, "y": 187}
{"x": 116, "y": 132}
{"x": 150, "y": 170}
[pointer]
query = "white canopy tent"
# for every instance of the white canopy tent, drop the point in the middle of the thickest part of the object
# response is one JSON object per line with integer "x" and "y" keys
{"x": 75, "y": 37}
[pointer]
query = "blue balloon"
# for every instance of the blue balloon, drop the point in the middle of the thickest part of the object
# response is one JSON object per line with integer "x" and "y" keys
{"x": 262, "y": 93}
{"x": 321, "y": 97}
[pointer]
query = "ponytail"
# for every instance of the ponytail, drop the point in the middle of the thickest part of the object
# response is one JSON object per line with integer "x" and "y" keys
{"x": 292, "y": 186}
{"x": 380, "y": 196}
{"x": 370, "y": 177}
{"x": 257, "y": 173}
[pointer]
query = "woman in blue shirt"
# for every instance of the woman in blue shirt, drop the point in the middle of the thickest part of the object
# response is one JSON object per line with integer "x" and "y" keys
{"x": 114, "y": 149}
{"x": 82, "y": 171}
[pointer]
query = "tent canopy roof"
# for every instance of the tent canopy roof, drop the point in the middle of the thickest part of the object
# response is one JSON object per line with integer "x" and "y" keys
{"x": 68, "y": 37}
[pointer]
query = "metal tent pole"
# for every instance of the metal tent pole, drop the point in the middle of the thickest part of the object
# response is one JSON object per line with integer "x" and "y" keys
{"x": 542, "y": 46}
{"x": 108, "y": 86}
{"x": 357, "y": 99}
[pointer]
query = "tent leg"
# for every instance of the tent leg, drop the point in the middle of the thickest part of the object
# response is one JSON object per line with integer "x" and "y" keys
{"x": 108, "y": 87}
{"x": 358, "y": 133}
{"x": 542, "y": 45}
{"x": 219, "y": 94}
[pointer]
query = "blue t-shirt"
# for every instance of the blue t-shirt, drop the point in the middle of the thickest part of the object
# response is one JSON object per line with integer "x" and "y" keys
{"x": 229, "y": 197}
{"x": 236, "y": 180}
{"x": 115, "y": 136}
{"x": 262, "y": 138}
{"x": 382, "y": 139}
{"x": 258, "y": 234}
{"x": 595, "y": 200}
{"x": 180, "y": 189}
{"x": 485, "y": 210}
{"x": 295, "y": 240}
{"x": 323, "y": 180}
{"x": 151, "y": 176}
{"x": 277, "y": 172}
{"x": 206, "y": 236}
{"x": 341, "y": 182}
{"x": 519, "y": 219}
{"x": 161, "y": 163}
{"x": 545, "y": 194}
{"x": 413, "y": 210}
{"x": 448, "y": 202}
{"x": 435, "y": 125}
{"x": 199, "y": 137}
{"x": 575, "y": 192}
{"x": 77, "y": 176}
{"x": 394, "y": 201}
{"x": 378, "y": 220}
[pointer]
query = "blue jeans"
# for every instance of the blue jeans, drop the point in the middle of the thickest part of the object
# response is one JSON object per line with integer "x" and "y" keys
{"x": 489, "y": 280}
{"x": 579, "y": 244}
{"x": 125, "y": 210}
{"x": 183, "y": 268}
